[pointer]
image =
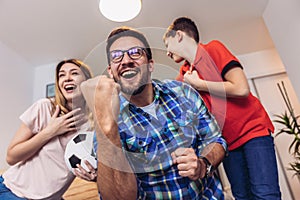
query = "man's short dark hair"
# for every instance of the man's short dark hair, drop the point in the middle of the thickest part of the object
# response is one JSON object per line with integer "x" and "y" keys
{"x": 127, "y": 32}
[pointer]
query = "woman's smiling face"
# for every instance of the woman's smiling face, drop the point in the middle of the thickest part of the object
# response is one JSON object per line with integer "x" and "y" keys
{"x": 70, "y": 77}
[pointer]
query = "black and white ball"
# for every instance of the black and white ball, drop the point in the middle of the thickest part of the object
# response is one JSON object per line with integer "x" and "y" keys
{"x": 80, "y": 148}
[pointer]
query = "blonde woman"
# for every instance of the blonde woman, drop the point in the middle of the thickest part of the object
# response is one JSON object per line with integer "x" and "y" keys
{"x": 36, "y": 152}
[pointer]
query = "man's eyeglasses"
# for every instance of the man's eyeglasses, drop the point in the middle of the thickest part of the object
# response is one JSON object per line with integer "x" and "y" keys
{"x": 134, "y": 53}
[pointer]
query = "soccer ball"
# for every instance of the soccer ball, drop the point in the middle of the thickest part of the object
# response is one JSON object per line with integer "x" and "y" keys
{"x": 80, "y": 148}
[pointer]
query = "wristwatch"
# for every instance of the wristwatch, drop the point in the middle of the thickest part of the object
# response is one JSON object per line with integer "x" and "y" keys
{"x": 209, "y": 166}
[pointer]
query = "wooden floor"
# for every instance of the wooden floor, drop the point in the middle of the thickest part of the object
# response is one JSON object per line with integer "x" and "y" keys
{"x": 82, "y": 190}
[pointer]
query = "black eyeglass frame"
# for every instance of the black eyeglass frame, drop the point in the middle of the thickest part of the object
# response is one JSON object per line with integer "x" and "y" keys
{"x": 143, "y": 50}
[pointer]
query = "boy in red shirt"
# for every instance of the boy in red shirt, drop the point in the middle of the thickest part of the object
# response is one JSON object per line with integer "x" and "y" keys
{"x": 218, "y": 76}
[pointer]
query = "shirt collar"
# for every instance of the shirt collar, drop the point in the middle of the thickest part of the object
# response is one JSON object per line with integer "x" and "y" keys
{"x": 199, "y": 54}
{"x": 158, "y": 88}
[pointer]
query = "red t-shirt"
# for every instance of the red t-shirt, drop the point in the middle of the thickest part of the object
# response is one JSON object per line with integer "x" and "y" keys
{"x": 241, "y": 119}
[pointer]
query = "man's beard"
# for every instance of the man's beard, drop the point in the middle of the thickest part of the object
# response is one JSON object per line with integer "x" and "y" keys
{"x": 134, "y": 90}
{"x": 131, "y": 91}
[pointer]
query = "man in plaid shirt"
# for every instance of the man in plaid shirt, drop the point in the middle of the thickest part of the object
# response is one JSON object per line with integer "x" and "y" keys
{"x": 156, "y": 140}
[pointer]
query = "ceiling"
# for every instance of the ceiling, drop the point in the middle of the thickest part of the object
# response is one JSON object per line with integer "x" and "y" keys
{"x": 47, "y": 31}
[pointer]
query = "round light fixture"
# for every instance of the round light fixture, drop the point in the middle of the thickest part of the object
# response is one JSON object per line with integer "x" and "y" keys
{"x": 120, "y": 10}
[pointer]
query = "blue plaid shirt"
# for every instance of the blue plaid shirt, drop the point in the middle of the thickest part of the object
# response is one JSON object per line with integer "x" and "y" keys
{"x": 182, "y": 121}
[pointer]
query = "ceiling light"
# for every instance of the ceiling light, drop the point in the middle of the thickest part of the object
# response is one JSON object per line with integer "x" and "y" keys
{"x": 120, "y": 10}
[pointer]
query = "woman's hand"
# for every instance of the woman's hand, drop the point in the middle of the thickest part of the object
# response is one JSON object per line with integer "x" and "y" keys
{"x": 90, "y": 175}
{"x": 25, "y": 144}
{"x": 59, "y": 125}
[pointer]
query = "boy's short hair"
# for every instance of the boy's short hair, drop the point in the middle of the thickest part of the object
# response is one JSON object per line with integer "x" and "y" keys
{"x": 184, "y": 24}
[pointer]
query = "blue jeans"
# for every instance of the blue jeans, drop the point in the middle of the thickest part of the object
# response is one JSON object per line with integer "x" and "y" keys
{"x": 252, "y": 170}
{"x": 6, "y": 194}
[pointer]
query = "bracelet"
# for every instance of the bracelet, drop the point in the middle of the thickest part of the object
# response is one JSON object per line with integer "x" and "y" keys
{"x": 209, "y": 166}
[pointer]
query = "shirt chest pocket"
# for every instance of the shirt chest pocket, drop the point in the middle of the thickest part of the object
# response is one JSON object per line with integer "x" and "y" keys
{"x": 181, "y": 132}
{"x": 143, "y": 154}
{"x": 140, "y": 145}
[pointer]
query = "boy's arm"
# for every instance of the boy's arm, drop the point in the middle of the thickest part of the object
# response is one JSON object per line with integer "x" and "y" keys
{"x": 235, "y": 85}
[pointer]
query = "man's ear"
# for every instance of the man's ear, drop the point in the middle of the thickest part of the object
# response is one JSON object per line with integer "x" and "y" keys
{"x": 109, "y": 71}
{"x": 151, "y": 65}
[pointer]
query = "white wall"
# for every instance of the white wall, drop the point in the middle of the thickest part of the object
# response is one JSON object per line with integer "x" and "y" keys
{"x": 43, "y": 75}
{"x": 16, "y": 80}
{"x": 282, "y": 21}
{"x": 261, "y": 63}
